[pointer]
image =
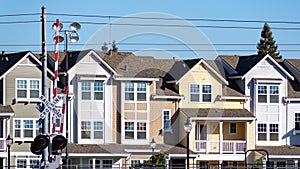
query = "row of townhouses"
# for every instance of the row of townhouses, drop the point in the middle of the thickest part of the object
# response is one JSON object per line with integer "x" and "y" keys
{"x": 119, "y": 103}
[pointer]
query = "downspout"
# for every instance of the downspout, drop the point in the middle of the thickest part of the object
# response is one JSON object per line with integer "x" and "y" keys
{"x": 104, "y": 107}
{"x": 286, "y": 120}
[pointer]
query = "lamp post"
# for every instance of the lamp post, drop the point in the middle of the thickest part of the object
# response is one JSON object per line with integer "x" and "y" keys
{"x": 153, "y": 145}
{"x": 9, "y": 142}
{"x": 74, "y": 37}
{"x": 187, "y": 127}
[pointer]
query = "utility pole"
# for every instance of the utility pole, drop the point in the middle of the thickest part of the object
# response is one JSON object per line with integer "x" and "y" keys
{"x": 45, "y": 123}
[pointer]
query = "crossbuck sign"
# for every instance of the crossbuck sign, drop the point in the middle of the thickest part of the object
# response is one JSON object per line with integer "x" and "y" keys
{"x": 50, "y": 106}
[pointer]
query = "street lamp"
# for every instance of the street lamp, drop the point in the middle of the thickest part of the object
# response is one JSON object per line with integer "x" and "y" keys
{"x": 152, "y": 145}
{"x": 9, "y": 142}
{"x": 187, "y": 127}
{"x": 74, "y": 37}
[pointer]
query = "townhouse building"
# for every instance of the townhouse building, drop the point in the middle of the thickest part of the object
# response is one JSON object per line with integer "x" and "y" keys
{"x": 20, "y": 89}
{"x": 222, "y": 127}
{"x": 270, "y": 86}
{"x": 118, "y": 103}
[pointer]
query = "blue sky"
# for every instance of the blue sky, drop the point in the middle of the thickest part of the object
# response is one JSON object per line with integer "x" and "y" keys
{"x": 18, "y": 34}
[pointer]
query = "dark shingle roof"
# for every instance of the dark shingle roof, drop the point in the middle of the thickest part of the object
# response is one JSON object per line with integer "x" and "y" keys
{"x": 206, "y": 112}
{"x": 281, "y": 150}
{"x": 292, "y": 66}
{"x": 10, "y": 59}
{"x": 6, "y": 109}
{"x": 242, "y": 64}
{"x": 232, "y": 89}
{"x": 123, "y": 148}
{"x": 180, "y": 68}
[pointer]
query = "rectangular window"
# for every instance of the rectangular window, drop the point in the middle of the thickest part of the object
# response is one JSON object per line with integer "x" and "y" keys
{"x": 141, "y": 130}
{"x": 262, "y": 94}
{"x": 107, "y": 163}
{"x": 129, "y": 130}
{"x": 200, "y": 93}
{"x": 21, "y": 163}
{"x": 206, "y": 93}
{"x": 85, "y": 129}
{"x": 34, "y": 163}
{"x": 195, "y": 92}
{"x": 232, "y": 128}
{"x": 297, "y": 121}
{"x": 27, "y": 89}
{"x": 21, "y": 89}
{"x": 274, "y": 133}
{"x": 167, "y": 120}
{"x": 129, "y": 91}
{"x": 34, "y": 88}
{"x": 26, "y": 128}
{"x": 274, "y": 94}
{"x": 141, "y": 91}
{"x": 98, "y": 90}
{"x": 17, "y": 128}
{"x": 268, "y": 94}
{"x": 86, "y": 90}
{"x": 262, "y": 132}
{"x": 98, "y": 130}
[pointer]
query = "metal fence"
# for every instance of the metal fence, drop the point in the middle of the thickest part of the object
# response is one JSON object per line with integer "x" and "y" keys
{"x": 149, "y": 166}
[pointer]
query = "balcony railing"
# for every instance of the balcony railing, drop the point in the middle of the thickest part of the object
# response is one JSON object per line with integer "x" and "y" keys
{"x": 2, "y": 144}
{"x": 231, "y": 147}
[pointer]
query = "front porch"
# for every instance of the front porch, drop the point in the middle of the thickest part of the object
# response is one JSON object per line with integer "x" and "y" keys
{"x": 220, "y": 137}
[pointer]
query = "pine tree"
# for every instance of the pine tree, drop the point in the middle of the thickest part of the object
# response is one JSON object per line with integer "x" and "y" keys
{"x": 266, "y": 44}
{"x": 104, "y": 47}
{"x": 114, "y": 46}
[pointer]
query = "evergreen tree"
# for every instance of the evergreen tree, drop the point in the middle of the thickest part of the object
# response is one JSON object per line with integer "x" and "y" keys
{"x": 266, "y": 44}
{"x": 104, "y": 47}
{"x": 114, "y": 46}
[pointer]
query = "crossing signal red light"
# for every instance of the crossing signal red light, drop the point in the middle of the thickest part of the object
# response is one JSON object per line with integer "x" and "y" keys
{"x": 59, "y": 142}
{"x": 39, "y": 144}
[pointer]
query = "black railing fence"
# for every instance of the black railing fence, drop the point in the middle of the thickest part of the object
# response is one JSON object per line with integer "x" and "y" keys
{"x": 171, "y": 166}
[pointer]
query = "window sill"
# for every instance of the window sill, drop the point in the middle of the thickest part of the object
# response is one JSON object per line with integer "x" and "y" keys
{"x": 167, "y": 131}
{"x": 27, "y": 100}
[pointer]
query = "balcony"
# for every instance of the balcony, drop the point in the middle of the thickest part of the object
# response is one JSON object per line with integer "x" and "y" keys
{"x": 228, "y": 146}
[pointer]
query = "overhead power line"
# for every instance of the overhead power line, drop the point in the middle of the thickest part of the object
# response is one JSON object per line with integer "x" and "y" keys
{"x": 154, "y": 44}
{"x": 188, "y": 19}
{"x": 18, "y": 15}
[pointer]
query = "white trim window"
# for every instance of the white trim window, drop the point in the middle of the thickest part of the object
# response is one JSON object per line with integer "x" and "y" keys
{"x": 135, "y": 91}
{"x": 25, "y": 128}
{"x": 92, "y": 130}
{"x": 28, "y": 89}
{"x": 268, "y": 94}
{"x": 232, "y": 128}
{"x": 268, "y": 132}
{"x": 201, "y": 93}
{"x": 166, "y": 120}
{"x": 297, "y": 121}
{"x": 92, "y": 90}
{"x": 24, "y": 163}
{"x": 135, "y": 130}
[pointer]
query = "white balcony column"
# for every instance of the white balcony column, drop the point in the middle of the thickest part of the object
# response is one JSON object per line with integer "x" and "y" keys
{"x": 221, "y": 137}
{"x": 296, "y": 164}
{"x": 246, "y": 135}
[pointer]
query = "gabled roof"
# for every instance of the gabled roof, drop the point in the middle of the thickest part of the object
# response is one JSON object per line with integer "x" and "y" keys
{"x": 74, "y": 58}
{"x": 244, "y": 64}
{"x": 9, "y": 61}
{"x": 281, "y": 151}
{"x": 182, "y": 67}
{"x": 217, "y": 114}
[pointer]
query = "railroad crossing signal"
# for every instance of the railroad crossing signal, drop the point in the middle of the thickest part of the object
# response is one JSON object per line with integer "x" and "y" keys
{"x": 50, "y": 106}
